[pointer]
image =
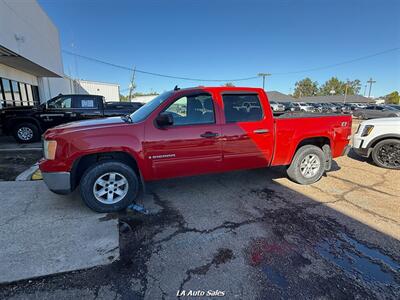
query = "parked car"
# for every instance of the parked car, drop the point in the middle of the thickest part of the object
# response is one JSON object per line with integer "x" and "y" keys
{"x": 380, "y": 139}
{"x": 303, "y": 106}
{"x": 376, "y": 111}
{"x": 277, "y": 107}
{"x": 359, "y": 105}
{"x": 289, "y": 107}
{"x": 317, "y": 107}
{"x": 27, "y": 124}
{"x": 341, "y": 107}
{"x": 351, "y": 107}
{"x": 156, "y": 143}
{"x": 395, "y": 106}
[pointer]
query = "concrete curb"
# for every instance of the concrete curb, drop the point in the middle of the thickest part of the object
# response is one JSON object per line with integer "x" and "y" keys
{"x": 27, "y": 174}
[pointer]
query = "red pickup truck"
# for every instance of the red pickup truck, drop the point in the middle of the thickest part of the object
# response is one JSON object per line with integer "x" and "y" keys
{"x": 187, "y": 132}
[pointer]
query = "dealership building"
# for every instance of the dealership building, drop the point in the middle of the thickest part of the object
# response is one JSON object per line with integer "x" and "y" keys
{"x": 31, "y": 67}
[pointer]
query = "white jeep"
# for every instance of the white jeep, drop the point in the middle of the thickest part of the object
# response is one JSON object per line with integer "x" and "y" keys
{"x": 380, "y": 139}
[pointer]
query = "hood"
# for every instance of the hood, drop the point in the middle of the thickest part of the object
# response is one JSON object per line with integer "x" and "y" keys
{"x": 383, "y": 121}
{"x": 91, "y": 123}
{"x": 85, "y": 125}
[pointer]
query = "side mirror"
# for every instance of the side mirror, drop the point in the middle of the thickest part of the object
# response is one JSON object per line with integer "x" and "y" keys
{"x": 165, "y": 119}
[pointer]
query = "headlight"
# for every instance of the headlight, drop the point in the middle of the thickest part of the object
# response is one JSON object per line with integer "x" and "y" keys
{"x": 49, "y": 149}
{"x": 367, "y": 130}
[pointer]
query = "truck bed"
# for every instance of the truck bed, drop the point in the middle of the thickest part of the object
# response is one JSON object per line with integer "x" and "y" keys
{"x": 296, "y": 127}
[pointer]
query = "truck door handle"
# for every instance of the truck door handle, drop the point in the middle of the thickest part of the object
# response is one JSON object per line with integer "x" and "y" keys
{"x": 209, "y": 134}
{"x": 260, "y": 131}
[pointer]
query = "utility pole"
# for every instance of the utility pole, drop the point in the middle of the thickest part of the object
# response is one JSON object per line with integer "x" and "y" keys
{"x": 370, "y": 81}
{"x": 132, "y": 84}
{"x": 365, "y": 89}
{"x": 263, "y": 75}
{"x": 345, "y": 91}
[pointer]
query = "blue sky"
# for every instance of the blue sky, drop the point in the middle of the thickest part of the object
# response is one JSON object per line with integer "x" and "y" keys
{"x": 230, "y": 39}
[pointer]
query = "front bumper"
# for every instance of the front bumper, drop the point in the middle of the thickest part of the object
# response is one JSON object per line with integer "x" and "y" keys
{"x": 364, "y": 152}
{"x": 58, "y": 182}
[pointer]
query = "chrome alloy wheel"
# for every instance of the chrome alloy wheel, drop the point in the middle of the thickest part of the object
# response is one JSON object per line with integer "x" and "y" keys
{"x": 110, "y": 188}
{"x": 25, "y": 133}
{"x": 310, "y": 165}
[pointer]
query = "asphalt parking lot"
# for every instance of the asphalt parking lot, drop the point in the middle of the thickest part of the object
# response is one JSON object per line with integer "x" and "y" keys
{"x": 250, "y": 235}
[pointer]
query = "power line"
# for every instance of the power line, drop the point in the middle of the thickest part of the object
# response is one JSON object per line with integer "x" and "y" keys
{"x": 231, "y": 80}
{"x": 155, "y": 74}
{"x": 340, "y": 63}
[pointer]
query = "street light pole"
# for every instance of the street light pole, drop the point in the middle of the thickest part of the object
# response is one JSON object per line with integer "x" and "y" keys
{"x": 263, "y": 75}
{"x": 345, "y": 91}
{"x": 370, "y": 81}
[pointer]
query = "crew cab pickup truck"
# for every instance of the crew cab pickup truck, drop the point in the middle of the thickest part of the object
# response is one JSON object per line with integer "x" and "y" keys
{"x": 27, "y": 124}
{"x": 379, "y": 139}
{"x": 187, "y": 132}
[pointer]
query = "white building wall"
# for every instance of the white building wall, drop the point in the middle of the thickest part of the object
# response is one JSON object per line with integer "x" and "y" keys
{"x": 144, "y": 99}
{"x": 108, "y": 90}
{"x": 51, "y": 87}
{"x": 17, "y": 75}
{"x": 26, "y": 30}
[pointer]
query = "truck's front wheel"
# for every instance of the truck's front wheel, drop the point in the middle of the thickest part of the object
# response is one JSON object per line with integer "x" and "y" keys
{"x": 26, "y": 133}
{"x": 308, "y": 165}
{"x": 109, "y": 186}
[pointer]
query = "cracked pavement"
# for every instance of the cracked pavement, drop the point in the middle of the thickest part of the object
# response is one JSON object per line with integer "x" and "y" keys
{"x": 250, "y": 235}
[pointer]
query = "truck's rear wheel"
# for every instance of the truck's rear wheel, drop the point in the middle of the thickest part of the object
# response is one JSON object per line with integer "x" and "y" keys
{"x": 308, "y": 165}
{"x": 26, "y": 133}
{"x": 109, "y": 186}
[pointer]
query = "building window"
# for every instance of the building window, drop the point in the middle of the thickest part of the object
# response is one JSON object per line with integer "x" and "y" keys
{"x": 14, "y": 93}
{"x": 29, "y": 93}
{"x": 35, "y": 92}
{"x": 24, "y": 96}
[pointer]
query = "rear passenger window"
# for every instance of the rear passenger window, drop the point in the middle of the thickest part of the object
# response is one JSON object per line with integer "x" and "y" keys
{"x": 86, "y": 103}
{"x": 242, "y": 108}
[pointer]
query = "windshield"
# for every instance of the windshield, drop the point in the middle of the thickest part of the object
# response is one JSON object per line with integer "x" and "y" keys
{"x": 143, "y": 112}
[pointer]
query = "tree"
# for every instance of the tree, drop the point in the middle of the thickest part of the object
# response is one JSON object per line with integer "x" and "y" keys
{"x": 305, "y": 87}
{"x": 332, "y": 85}
{"x": 354, "y": 87}
{"x": 228, "y": 84}
{"x": 392, "y": 98}
{"x": 339, "y": 87}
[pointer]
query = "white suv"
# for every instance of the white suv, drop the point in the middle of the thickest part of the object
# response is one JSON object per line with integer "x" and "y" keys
{"x": 380, "y": 139}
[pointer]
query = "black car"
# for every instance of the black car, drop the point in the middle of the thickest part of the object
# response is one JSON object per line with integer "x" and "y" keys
{"x": 27, "y": 124}
{"x": 395, "y": 106}
{"x": 289, "y": 106}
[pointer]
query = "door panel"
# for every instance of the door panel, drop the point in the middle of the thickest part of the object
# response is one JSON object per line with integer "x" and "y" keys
{"x": 247, "y": 135}
{"x": 87, "y": 107}
{"x": 191, "y": 146}
{"x": 58, "y": 111}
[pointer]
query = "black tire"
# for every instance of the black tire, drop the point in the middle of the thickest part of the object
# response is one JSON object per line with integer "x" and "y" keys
{"x": 386, "y": 154}
{"x": 88, "y": 181}
{"x": 26, "y": 133}
{"x": 295, "y": 170}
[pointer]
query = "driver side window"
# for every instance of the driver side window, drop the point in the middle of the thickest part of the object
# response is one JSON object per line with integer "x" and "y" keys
{"x": 60, "y": 103}
{"x": 192, "y": 110}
